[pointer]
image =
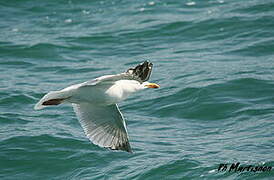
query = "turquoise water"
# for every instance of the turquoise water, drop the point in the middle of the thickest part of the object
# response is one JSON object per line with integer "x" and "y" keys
{"x": 214, "y": 60}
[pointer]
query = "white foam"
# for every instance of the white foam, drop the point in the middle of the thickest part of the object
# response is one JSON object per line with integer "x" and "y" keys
{"x": 85, "y": 12}
{"x": 68, "y": 20}
{"x": 15, "y": 30}
{"x": 192, "y": 3}
{"x": 141, "y": 9}
{"x": 151, "y": 3}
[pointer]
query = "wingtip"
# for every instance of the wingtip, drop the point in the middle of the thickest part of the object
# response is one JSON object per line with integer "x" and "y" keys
{"x": 38, "y": 106}
{"x": 131, "y": 152}
{"x": 142, "y": 71}
{"x": 125, "y": 146}
{"x": 119, "y": 149}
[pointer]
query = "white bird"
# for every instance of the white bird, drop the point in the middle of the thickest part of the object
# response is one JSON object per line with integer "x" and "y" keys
{"x": 95, "y": 104}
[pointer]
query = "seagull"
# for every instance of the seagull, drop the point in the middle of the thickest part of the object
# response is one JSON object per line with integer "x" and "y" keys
{"x": 95, "y": 104}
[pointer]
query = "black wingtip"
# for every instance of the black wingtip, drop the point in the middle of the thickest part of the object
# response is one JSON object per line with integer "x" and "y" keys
{"x": 142, "y": 71}
{"x": 125, "y": 146}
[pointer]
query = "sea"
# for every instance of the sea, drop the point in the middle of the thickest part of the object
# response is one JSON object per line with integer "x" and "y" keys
{"x": 214, "y": 61}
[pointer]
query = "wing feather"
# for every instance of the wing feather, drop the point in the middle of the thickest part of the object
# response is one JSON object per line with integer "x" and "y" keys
{"x": 103, "y": 125}
{"x": 139, "y": 73}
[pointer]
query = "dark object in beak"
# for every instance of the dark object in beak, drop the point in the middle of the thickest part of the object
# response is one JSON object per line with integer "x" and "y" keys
{"x": 142, "y": 71}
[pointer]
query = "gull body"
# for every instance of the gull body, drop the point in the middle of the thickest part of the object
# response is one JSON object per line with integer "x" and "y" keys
{"x": 95, "y": 104}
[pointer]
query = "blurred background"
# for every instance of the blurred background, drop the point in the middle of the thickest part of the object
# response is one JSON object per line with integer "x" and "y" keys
{"x": 214, "y": 60}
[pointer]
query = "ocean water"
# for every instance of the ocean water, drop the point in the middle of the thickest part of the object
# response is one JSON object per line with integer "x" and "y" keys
{"x": 214, "y": 60}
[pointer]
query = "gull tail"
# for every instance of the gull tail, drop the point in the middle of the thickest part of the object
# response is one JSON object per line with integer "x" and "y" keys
{"x": 52, "y": 98}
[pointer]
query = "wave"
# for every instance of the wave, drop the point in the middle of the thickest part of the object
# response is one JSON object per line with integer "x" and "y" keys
{"x": 12, "y": 100}
{"x": 212, "y": 102}
{"x": 172, "y": 170}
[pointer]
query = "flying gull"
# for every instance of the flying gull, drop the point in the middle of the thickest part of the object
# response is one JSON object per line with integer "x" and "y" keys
{"x": 95, "y": 104}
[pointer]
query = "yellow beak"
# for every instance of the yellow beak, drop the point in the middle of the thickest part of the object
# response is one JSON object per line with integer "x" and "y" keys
{"x": 152, "y": 85}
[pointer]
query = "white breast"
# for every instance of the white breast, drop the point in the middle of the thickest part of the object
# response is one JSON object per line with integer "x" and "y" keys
{"x": 122, "y": 89}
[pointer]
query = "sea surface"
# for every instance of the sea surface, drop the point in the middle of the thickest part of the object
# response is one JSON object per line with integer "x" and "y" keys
{"x": 214, "y": 61}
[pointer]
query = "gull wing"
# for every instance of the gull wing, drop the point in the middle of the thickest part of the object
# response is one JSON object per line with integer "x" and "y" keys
{"x": 107, "y": 79}
{"x": 140, "y": 73}
{"x": 103, "y": 125}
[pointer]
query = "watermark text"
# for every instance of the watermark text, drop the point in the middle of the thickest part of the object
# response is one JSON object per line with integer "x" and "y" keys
{"x": 237, "y": 167}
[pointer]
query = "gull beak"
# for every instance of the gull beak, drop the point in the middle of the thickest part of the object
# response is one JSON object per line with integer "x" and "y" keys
{"x": 152, "y": 85}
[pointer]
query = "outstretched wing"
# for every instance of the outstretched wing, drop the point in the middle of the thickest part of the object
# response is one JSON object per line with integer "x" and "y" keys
{"x": 103, "y": 125}
{"x": 140, "y": 73}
